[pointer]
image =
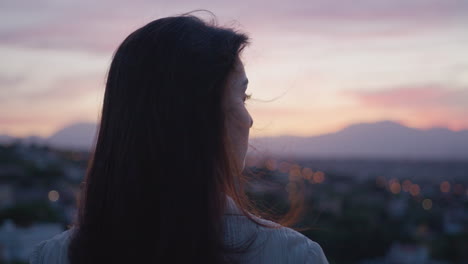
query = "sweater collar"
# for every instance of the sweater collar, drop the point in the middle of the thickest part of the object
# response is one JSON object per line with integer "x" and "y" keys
{"x": 231, "y": 207}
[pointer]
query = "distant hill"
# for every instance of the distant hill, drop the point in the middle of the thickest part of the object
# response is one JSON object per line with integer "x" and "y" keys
{"x": 385, "y": 139}
{"x": 76, "y": 136}
{"x": 6, "y": 138}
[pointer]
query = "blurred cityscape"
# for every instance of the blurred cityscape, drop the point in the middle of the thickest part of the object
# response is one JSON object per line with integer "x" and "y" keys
{"x": 363, "y": 104}
{"x": 359, "y": 210}
{"x": 373, "y": 211}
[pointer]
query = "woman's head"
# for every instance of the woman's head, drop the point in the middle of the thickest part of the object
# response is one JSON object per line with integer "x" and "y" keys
{"x": 238, "y": 118}
{"x": 171, "y": 143}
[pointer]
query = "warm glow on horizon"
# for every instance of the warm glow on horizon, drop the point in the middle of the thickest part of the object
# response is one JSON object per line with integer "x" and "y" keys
{"x": 318, "y": 68}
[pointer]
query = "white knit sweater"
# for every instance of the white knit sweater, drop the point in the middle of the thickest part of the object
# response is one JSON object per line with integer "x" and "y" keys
{"x": 282, "y": 245}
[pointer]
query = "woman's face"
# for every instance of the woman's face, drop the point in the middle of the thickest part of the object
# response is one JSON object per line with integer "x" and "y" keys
{"x": 239, "y": 120}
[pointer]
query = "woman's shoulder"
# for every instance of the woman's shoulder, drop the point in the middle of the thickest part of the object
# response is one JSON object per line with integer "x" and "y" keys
{"x": 53, "y": 250}
{"x": 296, "y": 247}
{"x": 273, "y": 243}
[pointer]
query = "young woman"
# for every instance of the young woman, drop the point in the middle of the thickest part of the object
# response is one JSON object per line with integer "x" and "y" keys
{"x": 164, "y": 184}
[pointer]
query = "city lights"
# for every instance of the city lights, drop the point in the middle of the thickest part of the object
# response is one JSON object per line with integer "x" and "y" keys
{"x": 395, "y": 187}
{"x": 445, "y": 187}
{"x": 284, "y": 166}
{"x": 406, "y": 185}
{"x": 318, "y": 177}
{"x": 270, "y": 164}
{"x": 307, "y": 173}
{"x": 295, "y": 173}
{"x": 415, "y": 189}
{"x": 53, "y": 196}
{"x": 427, "y": 204}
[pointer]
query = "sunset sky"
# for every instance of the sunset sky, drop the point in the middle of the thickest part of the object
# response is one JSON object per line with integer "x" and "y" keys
{"x": 314, "y": 66}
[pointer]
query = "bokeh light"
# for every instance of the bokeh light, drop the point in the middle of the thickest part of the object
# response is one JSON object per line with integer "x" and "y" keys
{"x": 307, "y": 173}
{"x": 415, "y": 190}
{"x": 318, "y": 177}
{"x": 406, "y": 185}
{"x": 284, "y": 167}
{"x": 295, "y": 172}
{"x": 395, "y": 187}
{"x": 427, "y": 204}
{"x": 445, "y": 187}
{"x": 271, "y": 164}
{"x": 53, "y": 196}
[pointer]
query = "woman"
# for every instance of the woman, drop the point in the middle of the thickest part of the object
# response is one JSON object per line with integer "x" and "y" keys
{"x": 164, "y": 184}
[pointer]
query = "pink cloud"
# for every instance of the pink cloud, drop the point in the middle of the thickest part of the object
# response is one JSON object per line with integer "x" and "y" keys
{"x": 371, "y": 10}
{"x": 413, "y": 97}
{"x": 423, "y": 106}
{"x": 70, "y": 88}
{"x": 65, "y": 88}
{"x": 93, "y": 36}
{"x": 88, "y": 25}
{"x": 8, "y": 121}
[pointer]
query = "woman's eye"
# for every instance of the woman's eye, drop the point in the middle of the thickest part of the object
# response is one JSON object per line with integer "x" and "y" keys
{"x": 247, "y": 97}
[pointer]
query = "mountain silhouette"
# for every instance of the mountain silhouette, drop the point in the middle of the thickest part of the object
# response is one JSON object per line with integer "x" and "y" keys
{"x": 75, "y": 136}
{"x": 385, "y": 139}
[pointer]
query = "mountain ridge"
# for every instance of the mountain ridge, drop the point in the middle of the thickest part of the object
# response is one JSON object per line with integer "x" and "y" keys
{"x": 383, "y": 139}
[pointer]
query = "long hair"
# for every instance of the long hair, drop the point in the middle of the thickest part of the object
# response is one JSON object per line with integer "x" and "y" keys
{"x": 162, "y": 165}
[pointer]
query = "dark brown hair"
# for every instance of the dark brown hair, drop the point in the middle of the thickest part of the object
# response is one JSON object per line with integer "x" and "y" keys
{"x": 155, "y": 187}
